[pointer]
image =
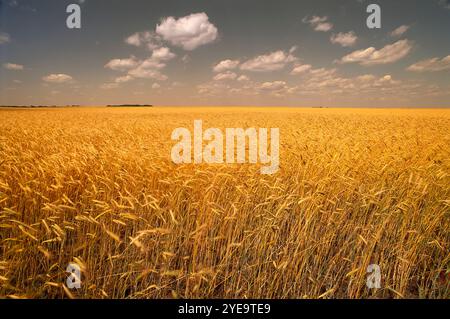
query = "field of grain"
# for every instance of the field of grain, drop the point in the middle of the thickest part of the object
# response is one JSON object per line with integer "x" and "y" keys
{"x": 96, "y": 187}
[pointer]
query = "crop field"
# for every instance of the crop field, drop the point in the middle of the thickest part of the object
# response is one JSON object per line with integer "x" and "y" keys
{"x": 97, "y": 187}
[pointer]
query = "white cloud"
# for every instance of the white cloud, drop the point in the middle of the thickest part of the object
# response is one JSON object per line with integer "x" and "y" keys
{"x": 270, "y": 62}
{"x": 271, "y": 86}
{"x": 276, "y": 88}
{"x": 300, "y": 68}
{"x": 144, "y": 69}
{"x": 163, "y": 54}
{"x": 325, "y": 83}
{"x": 156, "y": 86}
{"x": 134, "y": 39}
{"x": 188, "y": 32}
{"x": 400, "y": 31}
{"x": 143, "y": 73}
{"x": 431, "y": 65}
{"x": 225, "y": 76}
{"x": 318, "y": 23}
{"x": 226, "y": 65}
{"x": 322, "y": 74}
{"x": 151, "y": 63}
{"x": 149, "y": 69}
{"x": 122, "y": 64}
{"x": 345, "y": 39}
{"x": 4, "y": 38}
{"x": 12, "y": 66}
{"x": 328, "y": 81}
{"x": 57, "y": 78}
{"x": 389, "y": 54}
{"x": 243, "y": 78}
{"x": 123, "y": 79}
{"x": 147, "y": 38}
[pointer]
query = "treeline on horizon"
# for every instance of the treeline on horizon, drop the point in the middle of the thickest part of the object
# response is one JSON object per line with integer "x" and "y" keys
{"x": 39, "y": 106}
{"x": 74, "y": 105}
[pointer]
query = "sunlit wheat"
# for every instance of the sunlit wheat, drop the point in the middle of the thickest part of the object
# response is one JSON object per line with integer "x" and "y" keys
{"x": 97, "y": 187}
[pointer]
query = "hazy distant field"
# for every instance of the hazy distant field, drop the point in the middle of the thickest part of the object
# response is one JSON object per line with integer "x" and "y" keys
{"x": 97, "y": 187}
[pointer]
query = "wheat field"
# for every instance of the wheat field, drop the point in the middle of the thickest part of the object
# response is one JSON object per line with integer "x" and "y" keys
{"x": 97, "y": 187}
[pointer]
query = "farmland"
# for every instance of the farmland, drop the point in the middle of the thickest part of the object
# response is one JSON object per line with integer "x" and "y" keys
{"x": 97, "y": 187}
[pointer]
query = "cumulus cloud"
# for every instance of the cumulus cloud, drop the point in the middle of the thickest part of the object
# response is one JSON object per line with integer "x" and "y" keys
{"x": 122, "y": 64}
{"x": 431, "y": 65}
{"x": 57, "y": 78}
{"x": 142, "y": 72}
{"x": 318, "y": 23}
{"x": 225, "y": 76}
{"x": 324, "y": 82}
{"x": 226, "y": 65}
{"x": 328, "y": 81}
{"x": 344, "y": 39}
{"x": 188, "y": 32}
{"x": 144, "y": 38}
{"x": 243, "y": 78}
{"x": 400, "y": 31}
{"x": 4, "y": 38}
{"x": 300, "y": 68}
{"x": 246, "y": 87}
{"x": 151, "y": 63}
{"x": 163, "y": 54}
{"x": 269, "y": 62}
{"x": 322, "y": 74}
{"x": 123, "y": 79}
{"x": 213, "y": 89}
{"x": 13, "y": 66}
{"x": 388, "y": 54}
{"x": 134, "y": 39}
{"x": 276, "y": 88}
{"x": 275, "y": 85}
{"x": 149, "y": 68}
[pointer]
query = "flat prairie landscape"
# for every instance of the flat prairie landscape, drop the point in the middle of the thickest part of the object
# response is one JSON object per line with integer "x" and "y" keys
{"x": 97, "y": 187}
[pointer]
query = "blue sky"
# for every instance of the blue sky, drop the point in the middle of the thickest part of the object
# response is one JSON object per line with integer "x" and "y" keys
{"x": 299, "y": 53}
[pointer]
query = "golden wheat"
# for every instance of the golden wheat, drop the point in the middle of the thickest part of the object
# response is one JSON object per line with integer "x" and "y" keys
{"x": 96, "y": 186}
